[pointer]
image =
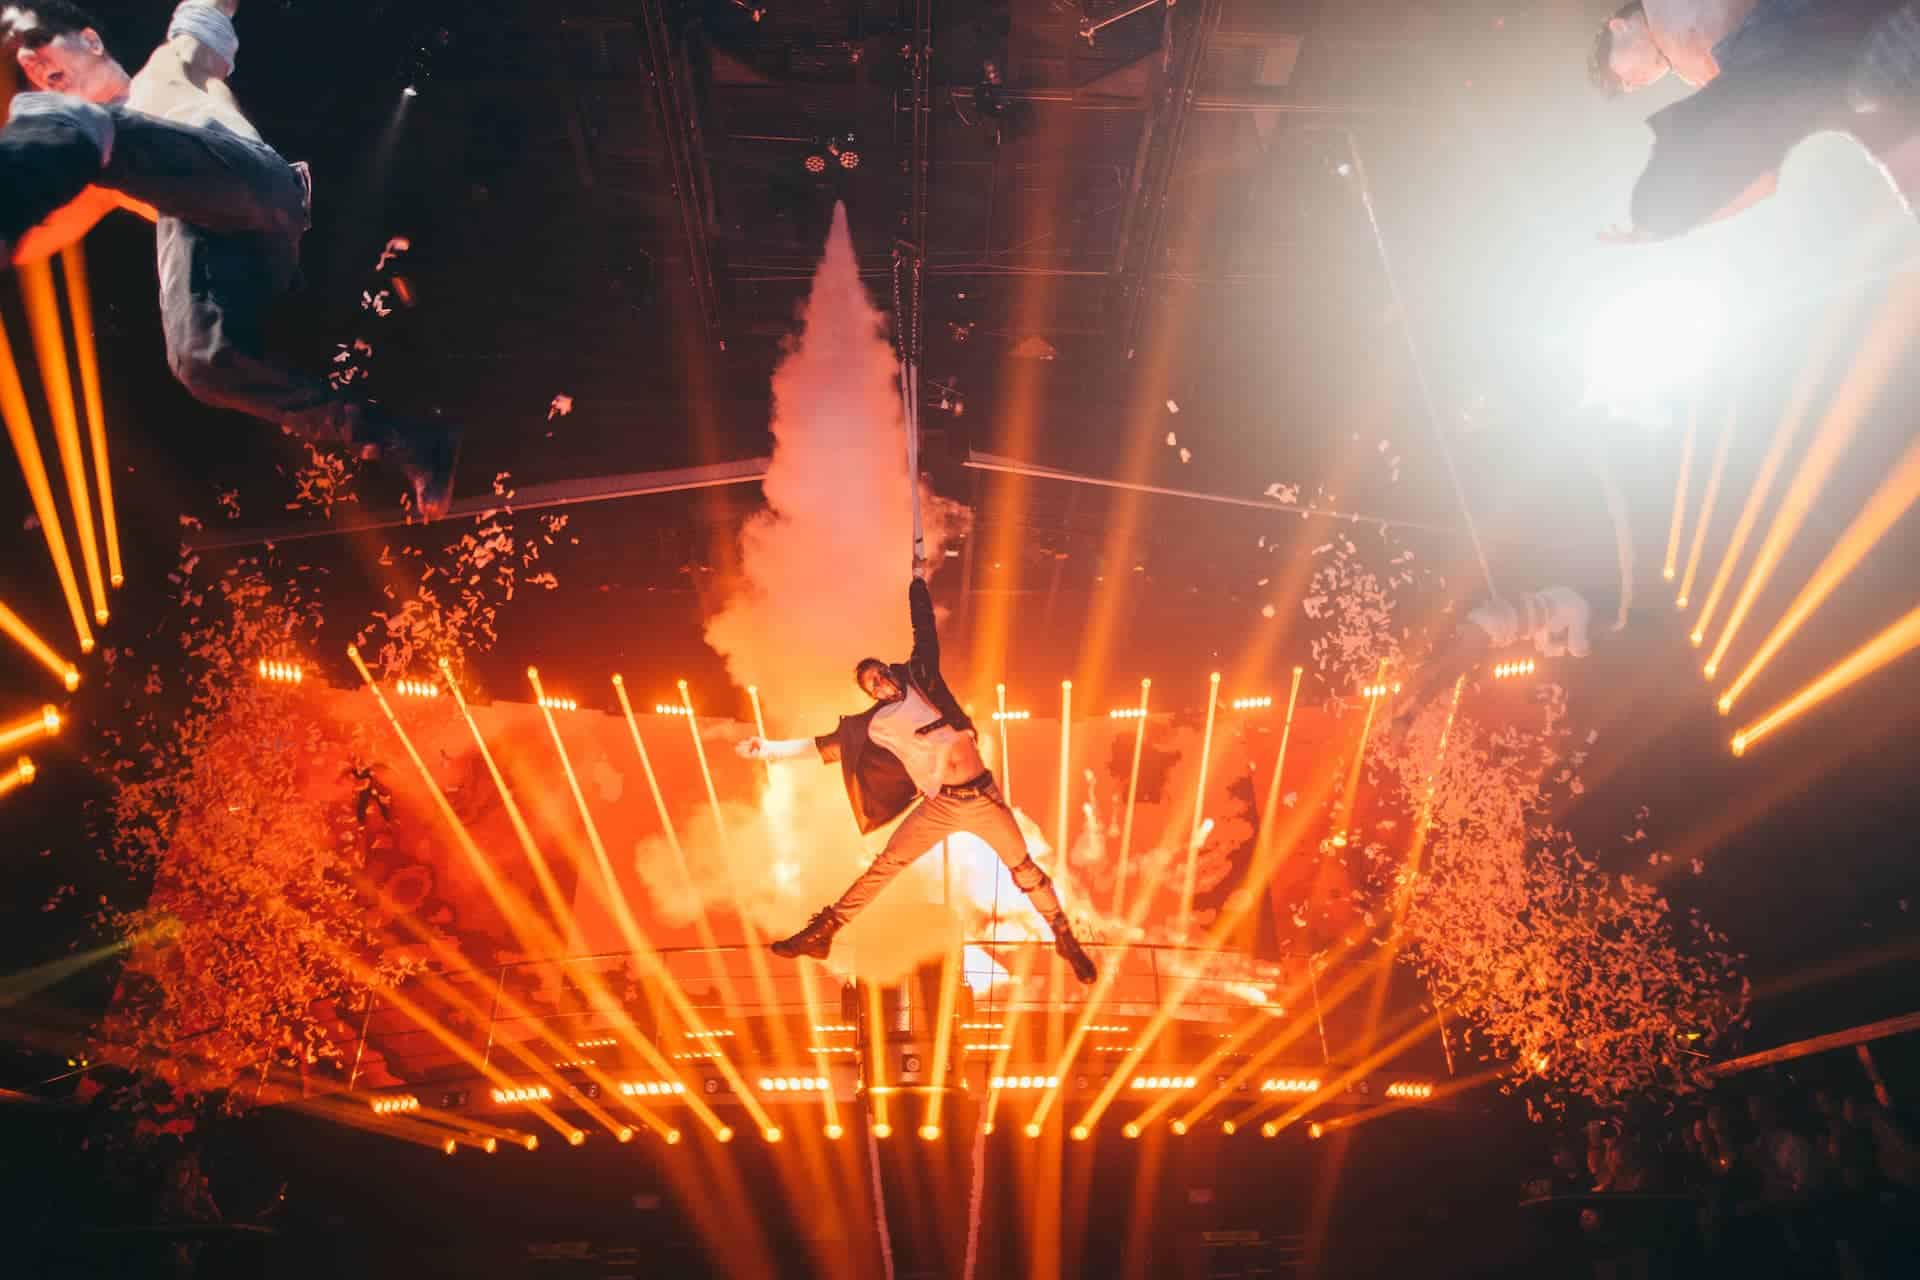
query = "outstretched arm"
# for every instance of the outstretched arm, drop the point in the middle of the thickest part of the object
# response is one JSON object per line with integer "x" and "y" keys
{"x": 201, "y": 35}
{"x": 771, "y": 749}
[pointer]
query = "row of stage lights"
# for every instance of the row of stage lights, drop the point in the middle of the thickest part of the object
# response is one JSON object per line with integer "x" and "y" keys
{"x": 794, "y": 1084}
{"x": 523, "y": 1093}
{"x": 651, "y": 1088}
{"x": 1291, "y": 1084}
{"x": 43, "y": 723}
{"x": 558, "y": 704}
{"x": 1508, "y": 670}
{"x": 1409, "y": 1089}
{"x": 416, "y": 688}
{"x": 1164, "y": 1082}
{"x": 1025, "y": 1082}
{"x": 395, "y": 1104}
{"x": 1379, "y": 690}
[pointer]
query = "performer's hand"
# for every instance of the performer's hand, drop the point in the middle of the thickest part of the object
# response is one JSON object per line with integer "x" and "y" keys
{"x": 749, "y": 748}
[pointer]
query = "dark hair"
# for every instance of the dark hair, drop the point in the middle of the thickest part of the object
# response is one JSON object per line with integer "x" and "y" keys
{"x": 56, "y": 16}
{"x": 1600, "y": 63}
{"x": 865, "y": 665}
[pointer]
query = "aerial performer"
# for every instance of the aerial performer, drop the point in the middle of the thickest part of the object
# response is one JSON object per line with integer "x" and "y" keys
{"x": 172, "y": 143}
{"x": 914, "y": 748}
{"x": 1768, "y": 75}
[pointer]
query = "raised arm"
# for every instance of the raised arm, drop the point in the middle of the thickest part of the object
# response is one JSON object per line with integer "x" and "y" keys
{"x": 925, "y": 662}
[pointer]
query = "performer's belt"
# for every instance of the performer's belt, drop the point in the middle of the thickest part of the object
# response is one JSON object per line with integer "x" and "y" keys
{"x": 973, "y": 788}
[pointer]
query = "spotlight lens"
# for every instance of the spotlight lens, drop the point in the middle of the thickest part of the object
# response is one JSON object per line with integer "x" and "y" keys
{"x": 1079, "y": 1133}
{"x": 725, "y": 1134}
{"x": 929, "y": 1131}
{"x": 1131, "y": 1130}
{"x": 834, "y": 1132}
{"x": 673, "y": 1137}
{"x": 1651, "y": 341}
{"x": 772, "y": 1134}
{"x": 1033, "y": 1130}
{"x": 576, "y": 1138}
{"x": 883, "y": 1131}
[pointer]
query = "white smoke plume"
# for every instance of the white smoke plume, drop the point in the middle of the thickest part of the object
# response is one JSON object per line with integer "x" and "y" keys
{"x": 824, "y": 569}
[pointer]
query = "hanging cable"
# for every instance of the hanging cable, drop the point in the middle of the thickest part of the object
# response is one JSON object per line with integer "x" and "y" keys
{"x": 1413, "y": 353}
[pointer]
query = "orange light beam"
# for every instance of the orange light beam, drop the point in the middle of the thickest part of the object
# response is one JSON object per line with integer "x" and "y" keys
{"x": 33, "y": 467}
{"x": 1257, "y": 1062}
{"x": 719, "y": 818}
{"x": 950, "y": 966}
{"x": 1065, "y": 798}
{"x": 1199, "y": 809}
{"x": 1885, "y": 346}
{"x": 1895, "y": 642}
{"x": 1343, "y": 814}
{"x": 43, "y": 723}
{"x": 812, "y": 1001}
{"x": 703, "y": 925}
{"x": 513, "y": 909}
{"x": 73, "y": 264}
{"x": 876, "y": 1060}
{"x": 1680, "y": 495}
{"x": 43, "y": 318}
{"x": 1440, "y": 1091}
{"x": 623, "y": 914}
{"x": 556, "y": 902}
{"x": 1333, "y": 1088}
{"x": 1006, "y": 757}
{"x": 1029, "y": 956}
{"x": 629, "y": 928}
{"x": 1265, "y": 860}
{"x": 1888, "y": 504}
{"x": 1133, "y": 789}
{"x": 1707, "y": 504}
{"x": 1749, "y": 515}
{"x": 21, "y": 634}
{"x": 22, "y": 773}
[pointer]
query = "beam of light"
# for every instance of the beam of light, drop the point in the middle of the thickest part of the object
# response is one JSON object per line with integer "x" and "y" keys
{"x": 950, "y": 966}
{"x": 43, "y": 723}
{"x": 1885, "y": 346}
{"x": 1269, "y": 853}
{"x": 1893, "y": 643}
{"x": 1023, "y": 971}
{"x": 1757, "y": 494}
{"x": 719, "y": 818}
{"x": 510, "y": 1008}
{"x": 1707, "y": 503}
{"x": 1199, "y": 809}
{"x": 1258, "y": 1061}
{"x": 1061, "y": 847}
{"x": 561, "y": 922}
{"x": 33, "y": 468}
{"x": 73, "y": 264}
{"x": 21, "y": 634}
{"x": 703, "y": 925}
{"x": 1334, "y": 1087}
{"x": 1394, "y": 1106}
{"x": 400, "y": 1129}
{"x": 630, "y": 930}
{"x": 1343, "y": 811}
{"x": 876, "y": 1060}
{"x": 829, "y": 1103}
{"x": 1133, "y": 790}
{"x": 15, "y": 987}
{"x": 1651, "y": 341}
{"x": 43, "y": 318}
{"x": 1680, "y": 495}
{"x": 515, "y": 910}
{"x": 1006, "y": 757}
{"x": 1888, "y": 504}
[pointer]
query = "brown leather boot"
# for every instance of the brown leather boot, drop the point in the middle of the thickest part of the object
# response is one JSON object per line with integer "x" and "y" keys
{"x": 815, "y": 940}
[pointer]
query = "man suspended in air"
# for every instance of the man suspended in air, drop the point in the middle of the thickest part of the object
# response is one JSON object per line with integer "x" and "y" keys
{"x": 172, "y": 143}
{"x": 916, "y": 744}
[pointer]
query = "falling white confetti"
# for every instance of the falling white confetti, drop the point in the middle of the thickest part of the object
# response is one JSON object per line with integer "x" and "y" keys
{"x": 1172, "y": 407}
{"x": 1172, "y": 440}
{"x": 1186, "y": 456}
{"x": 560, "y": 408}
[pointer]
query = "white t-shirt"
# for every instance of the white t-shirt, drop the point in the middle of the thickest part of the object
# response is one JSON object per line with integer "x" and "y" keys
{"x": 924, "y": 754}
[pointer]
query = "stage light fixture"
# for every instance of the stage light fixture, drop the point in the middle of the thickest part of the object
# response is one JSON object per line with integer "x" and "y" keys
{"x": 490, "y": 1145}
{"x": 834, "y": 1132}
{"x": 531, "y": 1142}
{"x": 1251, "y": 704}
{"x": 559, "y": 704}
{"x": 1269, "y": 1129}
{"x": 670, "y": 709}
{"x": 45, "y": 722}
{"x": 724, "y": 1133}
{"x": 1315, "y": 1131}
{"x": 274, "y": 672}
{"x": 1508, "y": 670}
{"x": 1127, "y": 713}
{"x": 1130, "y": 1129}
{"x": 394, "y": 1104}
{"x": 449, "y": 1147}
{"x": 410, "y": 92}
{"x": 1179, "y": 1128}
{"x": 1033, "y": 1130}
{"x": 416, "y": 688}
{"x": 1078, "y": 1133}
{"x": 883, "y": 1130}
{"x": 673, "y": 1137}
{"x": 929, "y": 1132}
{"x": 1651, "y": 343}
{"x": 523, "y": 1093}
{"x": 1229, "y": 1128}
{"x": 1013, "y": 715}
{"x": 771, "y": 1133}
{"x": 816, "y": 164}
{"x": 625, "y": 1133}
{"x": 576, "y": 1138}
{"x": 1415, "y": 1089}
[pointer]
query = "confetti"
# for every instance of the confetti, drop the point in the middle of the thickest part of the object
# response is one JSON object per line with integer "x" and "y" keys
{"x": 560, "y": 408}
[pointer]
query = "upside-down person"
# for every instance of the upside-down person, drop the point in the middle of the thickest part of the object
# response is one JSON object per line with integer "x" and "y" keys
{"x": 916, "y": 744}
{"x": 172, "y": 143}
{"x": 1555, "y": 620}
{"x": 1769, "y": 74}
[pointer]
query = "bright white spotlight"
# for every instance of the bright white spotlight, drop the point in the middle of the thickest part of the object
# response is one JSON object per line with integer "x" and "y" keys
{"x": 1652, "y": 343}
{"x": 410, "y": 92}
